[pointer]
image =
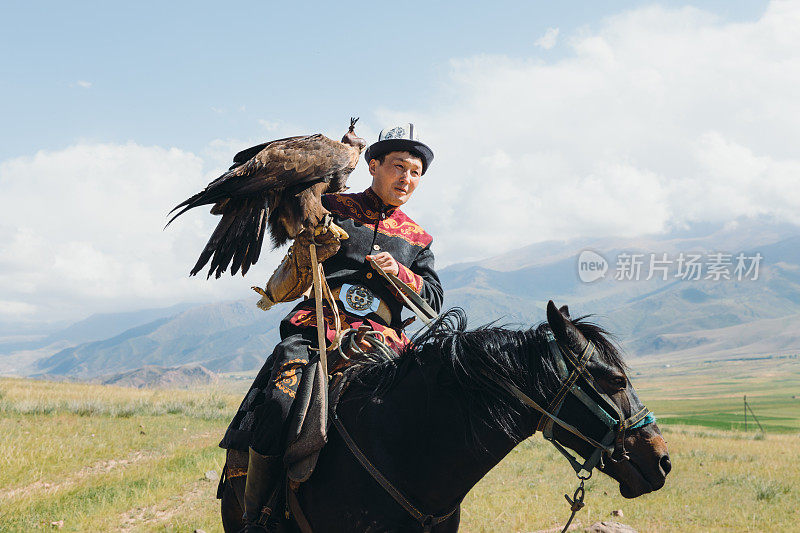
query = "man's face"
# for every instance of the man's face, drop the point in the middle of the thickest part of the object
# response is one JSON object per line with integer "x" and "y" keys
{"x": 396, "y": 178}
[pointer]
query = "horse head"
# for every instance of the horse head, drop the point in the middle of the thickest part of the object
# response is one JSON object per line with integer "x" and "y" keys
{"x": 639, "y": 461}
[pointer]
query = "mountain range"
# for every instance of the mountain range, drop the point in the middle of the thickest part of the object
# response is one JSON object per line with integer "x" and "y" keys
{"x": 673, "y": 317}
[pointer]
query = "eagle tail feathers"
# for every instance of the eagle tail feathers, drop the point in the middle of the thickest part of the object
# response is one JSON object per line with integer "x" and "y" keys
{"x": 235, "y": 242}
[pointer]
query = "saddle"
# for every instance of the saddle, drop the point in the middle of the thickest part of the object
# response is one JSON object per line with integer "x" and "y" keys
{"x": 317, "y": 397}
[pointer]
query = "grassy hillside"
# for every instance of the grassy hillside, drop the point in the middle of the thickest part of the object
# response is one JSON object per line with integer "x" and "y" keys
{"x": 711, "y": 470}
{"x": 107, "y": 458}
{"x": 111, "y": 458}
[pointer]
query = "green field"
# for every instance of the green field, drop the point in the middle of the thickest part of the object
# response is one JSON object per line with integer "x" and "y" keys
{"x": 709, "y": 394}
{"x": 108, "y": 458}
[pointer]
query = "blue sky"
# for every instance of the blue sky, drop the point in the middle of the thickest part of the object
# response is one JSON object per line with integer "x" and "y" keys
{"x": 184, "y": 73}
{"x": 549, "y": 120}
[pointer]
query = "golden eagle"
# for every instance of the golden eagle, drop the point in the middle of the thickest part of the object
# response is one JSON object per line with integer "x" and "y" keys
{"x": 276, "y": 184}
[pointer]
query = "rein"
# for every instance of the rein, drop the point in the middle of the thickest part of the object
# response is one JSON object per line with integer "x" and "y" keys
{"x": 411, "y": 299}
{"x": 425, "y": 520}
{"x": 427, "y": 314}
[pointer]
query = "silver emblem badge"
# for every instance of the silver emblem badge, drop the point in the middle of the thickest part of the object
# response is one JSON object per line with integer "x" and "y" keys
{"x": 358, "y": 299}
{"x": 395, "y": 133}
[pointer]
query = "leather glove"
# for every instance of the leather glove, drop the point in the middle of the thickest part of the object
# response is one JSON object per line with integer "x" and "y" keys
{"x": 294, "y": 277}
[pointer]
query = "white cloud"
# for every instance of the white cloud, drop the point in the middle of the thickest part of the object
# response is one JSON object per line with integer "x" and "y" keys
{"x": 657, "y": 118}
{"x": 82, "y": 83}
{"x": 15, "y": 309}
{"x": 81, "y": 232}
{"x": 548, "y": 40}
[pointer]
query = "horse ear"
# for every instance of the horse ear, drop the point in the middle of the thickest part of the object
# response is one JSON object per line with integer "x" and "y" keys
{"x": 564, "y": 330}
{"x": 564, "y": 310}
{"x": 556, "y": 320}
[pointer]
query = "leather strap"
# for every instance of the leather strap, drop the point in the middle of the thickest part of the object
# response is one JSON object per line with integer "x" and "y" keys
{"x": 427, "y": 521}
{"x": 412, "y": 300}
{"x": 321, "y": 290}
{"x": 527, "y": 400}
{"x": 297, "y": 512}
{"x": 318, "y": 295}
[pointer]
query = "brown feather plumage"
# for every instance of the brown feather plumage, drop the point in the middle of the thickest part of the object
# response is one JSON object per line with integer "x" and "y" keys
{"x": 275, "y": 186}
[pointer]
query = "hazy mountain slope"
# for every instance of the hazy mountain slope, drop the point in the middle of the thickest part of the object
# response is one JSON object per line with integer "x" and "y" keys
{"x": 771, "y": 336}
{"x": 642, "y": 313}
{"x": 673, "y": 316}
{"x": 228, "y": 336}
{"x": 95, "y": 327}
{"x": 184, "y": 376}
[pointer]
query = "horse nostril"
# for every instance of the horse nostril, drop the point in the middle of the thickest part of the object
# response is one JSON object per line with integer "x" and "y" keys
{"x": 665, "y": 464}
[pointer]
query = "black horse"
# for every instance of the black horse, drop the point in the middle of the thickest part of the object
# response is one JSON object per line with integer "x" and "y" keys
{"x": 434, "y": 423}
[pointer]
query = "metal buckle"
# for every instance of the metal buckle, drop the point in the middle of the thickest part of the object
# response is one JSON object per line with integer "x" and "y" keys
{"x": 358, "y": 299}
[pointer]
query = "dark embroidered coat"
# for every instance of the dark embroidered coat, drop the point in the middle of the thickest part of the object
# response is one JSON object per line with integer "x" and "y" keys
{"x": 373, "y": 228}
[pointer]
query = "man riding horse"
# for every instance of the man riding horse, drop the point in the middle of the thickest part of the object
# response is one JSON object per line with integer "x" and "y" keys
{"x": 380, "y": 236}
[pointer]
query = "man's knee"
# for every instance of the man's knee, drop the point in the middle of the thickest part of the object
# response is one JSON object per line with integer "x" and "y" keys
{"x": 291, "y": 356}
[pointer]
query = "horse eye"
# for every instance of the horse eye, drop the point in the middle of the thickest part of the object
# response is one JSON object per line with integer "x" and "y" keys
{"x": 620, "y": 382}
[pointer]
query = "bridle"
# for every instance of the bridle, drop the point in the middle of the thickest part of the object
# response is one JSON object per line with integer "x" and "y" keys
{"x": 612, "y": 444}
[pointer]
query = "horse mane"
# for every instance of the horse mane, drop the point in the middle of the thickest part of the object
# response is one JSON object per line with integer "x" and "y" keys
{"x": 516, "y": 356}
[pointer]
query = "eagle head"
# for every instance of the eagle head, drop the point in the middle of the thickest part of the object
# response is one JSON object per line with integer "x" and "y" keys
{"x": 350, "y": 138}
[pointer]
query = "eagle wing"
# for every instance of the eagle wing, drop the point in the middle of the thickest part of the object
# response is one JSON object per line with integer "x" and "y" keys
{"x": 256, "y": 185}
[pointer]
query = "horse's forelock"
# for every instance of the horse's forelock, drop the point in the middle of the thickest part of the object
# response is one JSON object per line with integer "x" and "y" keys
{"x": 606, "y": 343}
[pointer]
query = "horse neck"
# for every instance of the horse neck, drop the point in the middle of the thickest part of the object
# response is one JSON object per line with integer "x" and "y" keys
{"x": 463, "y": 452}
{"x": 481, "y": 438}
{"x": 436, "y": 454}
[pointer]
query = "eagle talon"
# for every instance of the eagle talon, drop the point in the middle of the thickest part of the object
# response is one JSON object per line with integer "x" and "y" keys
{"x": 313, "y": 238}
{"x": 338, "y": 232}
{"x": 324, "y": 225}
